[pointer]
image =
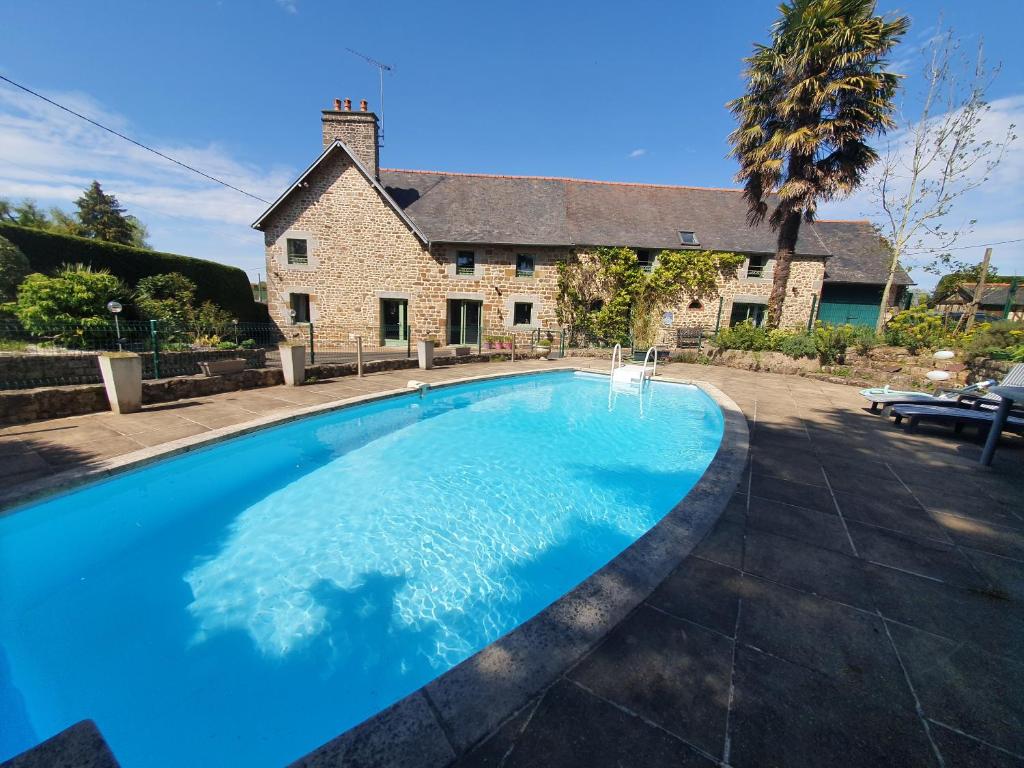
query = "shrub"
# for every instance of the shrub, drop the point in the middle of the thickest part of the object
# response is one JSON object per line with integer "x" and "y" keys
{"x": 831, "y": 341}
{"x": 13, "y": 268}
{"x": 169, "y": 297}
{"x": 864, "y": 339}
{"x": 64, "y": 307}
{"x": 743, "y": 335}
{"x": 226, "y": 286}
{"x": 797, "y": 345}
{"x": 999, "y": 340}
{"x": 917, "y": 328}
{"x": 210, "y": 316}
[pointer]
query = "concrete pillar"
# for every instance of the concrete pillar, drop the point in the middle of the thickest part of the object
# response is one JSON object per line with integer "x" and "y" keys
{"x": 425, "y": 353}
{"x": 122, "y": 378}
{"x": 293, "y": 363}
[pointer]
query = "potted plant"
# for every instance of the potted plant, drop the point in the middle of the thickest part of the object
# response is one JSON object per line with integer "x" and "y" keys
{"x": 543, "y": 347}
{"x": 490, "y": 341}
{"x": 505, "y": 344}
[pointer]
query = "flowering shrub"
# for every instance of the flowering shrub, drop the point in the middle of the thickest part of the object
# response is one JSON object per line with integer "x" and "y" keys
{"x": 918, "y": 328}
{"x": 1001, "y": 341}
{"x": 827, "y": 342}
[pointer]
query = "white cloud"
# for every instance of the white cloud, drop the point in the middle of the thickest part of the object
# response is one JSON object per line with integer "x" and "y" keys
{"x": 637, "y": 153}
{"x": 51, "y": 156}
{"x": 291, "y": 6}
{"x": 995, "y": 205}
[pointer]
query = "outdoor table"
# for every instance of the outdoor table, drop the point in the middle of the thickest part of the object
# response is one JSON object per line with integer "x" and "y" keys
{"x": 1007, "y": 396}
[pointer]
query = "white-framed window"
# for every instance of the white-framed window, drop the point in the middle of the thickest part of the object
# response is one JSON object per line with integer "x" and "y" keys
{"x": 297, "y": 249}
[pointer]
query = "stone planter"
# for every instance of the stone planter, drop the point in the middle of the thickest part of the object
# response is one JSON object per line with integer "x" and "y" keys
{"x": 122, "y": 378}
{"x": 425, "y": 354}
{"x": 221, "y": 367}
{"x": 293, "y": 363}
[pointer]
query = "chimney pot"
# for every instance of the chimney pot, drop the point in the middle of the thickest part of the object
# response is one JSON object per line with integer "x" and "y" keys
{"x": 348, "y": 105}
{"x": 337, "y": 105}
{"x": 362, "y": 105}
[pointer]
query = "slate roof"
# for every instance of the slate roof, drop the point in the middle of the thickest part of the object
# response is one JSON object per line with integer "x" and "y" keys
{"x": 534, "y": 210}
{"x": 994, "y": 295}
{"x": 524, "y": 210}
{"x": 858, "y": 253}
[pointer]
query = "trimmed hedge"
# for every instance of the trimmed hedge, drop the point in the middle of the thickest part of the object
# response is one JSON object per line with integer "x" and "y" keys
{"x": 227, "y": 286}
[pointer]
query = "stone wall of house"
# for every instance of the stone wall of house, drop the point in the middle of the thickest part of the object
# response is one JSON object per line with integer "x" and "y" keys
{"x": 361, "y": 252}
{"x": 805, "y": 279}
{"x": 494, "y": 282}
{"x": 26, "y": 371}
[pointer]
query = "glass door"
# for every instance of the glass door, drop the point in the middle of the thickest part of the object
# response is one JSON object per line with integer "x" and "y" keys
{"x": 464, "y": 319}
{"x": 394, "y": 328}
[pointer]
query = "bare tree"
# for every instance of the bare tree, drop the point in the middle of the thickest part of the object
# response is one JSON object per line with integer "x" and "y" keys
{"x": 936, "y": 158}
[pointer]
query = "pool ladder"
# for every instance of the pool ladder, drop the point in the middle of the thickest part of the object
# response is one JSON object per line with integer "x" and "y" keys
{"x": 628, "y": 375}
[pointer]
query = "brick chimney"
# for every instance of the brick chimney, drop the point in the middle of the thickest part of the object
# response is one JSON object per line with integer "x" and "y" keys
{"x": 357, "y": 129}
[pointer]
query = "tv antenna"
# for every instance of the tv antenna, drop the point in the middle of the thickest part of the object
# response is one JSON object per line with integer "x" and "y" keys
{"x": 381, "y": 68}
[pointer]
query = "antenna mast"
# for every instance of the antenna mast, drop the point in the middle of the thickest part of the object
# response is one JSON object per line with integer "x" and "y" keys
{"x": 381, "y": 68}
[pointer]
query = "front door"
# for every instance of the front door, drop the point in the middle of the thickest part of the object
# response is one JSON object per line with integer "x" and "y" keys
{"x": 394, "y": 328}
{"x": 464, "y": 318}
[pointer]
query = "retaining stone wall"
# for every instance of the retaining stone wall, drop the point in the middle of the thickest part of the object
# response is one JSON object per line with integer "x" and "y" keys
{"x": 27, "y": 371}
{"x": 23, "y": 405}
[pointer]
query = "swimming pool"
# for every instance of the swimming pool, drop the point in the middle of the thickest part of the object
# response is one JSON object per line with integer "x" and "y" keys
{"x": 242, "y": 604}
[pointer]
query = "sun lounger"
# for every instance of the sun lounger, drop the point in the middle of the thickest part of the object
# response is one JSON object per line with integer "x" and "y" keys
{"x": 959, "y": 416}
{"x": 970, "y": 396}
{"x": 883, "y": 396}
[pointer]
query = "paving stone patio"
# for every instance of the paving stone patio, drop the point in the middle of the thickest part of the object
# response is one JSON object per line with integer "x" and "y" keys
{"x": 859, "y": 602}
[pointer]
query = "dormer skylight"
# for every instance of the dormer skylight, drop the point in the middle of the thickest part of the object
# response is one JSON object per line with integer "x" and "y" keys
{"x": 687, "y": 237}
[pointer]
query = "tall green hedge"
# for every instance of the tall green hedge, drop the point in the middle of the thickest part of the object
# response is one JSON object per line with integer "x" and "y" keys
{"x": 227, "y": 286}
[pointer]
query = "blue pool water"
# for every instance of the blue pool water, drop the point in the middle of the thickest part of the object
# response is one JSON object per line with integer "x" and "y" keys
{"x": 242, "y": 604}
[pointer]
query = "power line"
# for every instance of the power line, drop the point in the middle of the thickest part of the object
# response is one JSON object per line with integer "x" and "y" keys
{"x": 967, "y": 247}
{"x": 133, "y": 141}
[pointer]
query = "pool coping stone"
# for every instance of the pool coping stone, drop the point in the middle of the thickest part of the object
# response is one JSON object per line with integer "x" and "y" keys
{"x": 445, "y": 718}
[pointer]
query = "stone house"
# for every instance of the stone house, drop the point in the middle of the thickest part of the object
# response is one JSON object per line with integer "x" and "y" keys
{"x": 352, "y": 247}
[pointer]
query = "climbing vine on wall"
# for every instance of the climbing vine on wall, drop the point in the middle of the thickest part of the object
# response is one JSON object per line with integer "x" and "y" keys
{"x": 606, "y": 297}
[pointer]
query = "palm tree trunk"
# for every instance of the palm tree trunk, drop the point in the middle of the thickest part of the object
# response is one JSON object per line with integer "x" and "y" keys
{"x": 784, "y": 250}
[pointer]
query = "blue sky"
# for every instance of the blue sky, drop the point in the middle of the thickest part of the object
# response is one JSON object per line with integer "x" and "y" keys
{"x": 630, "y": 92}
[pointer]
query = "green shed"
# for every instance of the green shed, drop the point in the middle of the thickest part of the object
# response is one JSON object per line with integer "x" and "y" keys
{"x": 847, "y": 303}
{"x": 855, "y": 273}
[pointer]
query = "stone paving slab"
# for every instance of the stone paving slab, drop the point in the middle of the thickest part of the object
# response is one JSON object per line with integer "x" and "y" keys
{"x": 860, "y": 601}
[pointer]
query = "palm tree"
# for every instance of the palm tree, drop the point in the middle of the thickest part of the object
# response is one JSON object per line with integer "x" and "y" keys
{"x": 814, "y": 97}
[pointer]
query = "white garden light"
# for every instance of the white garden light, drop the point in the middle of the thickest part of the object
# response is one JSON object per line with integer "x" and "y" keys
{"x": 944, "y": 354}
{"x": 937, "y": 375}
